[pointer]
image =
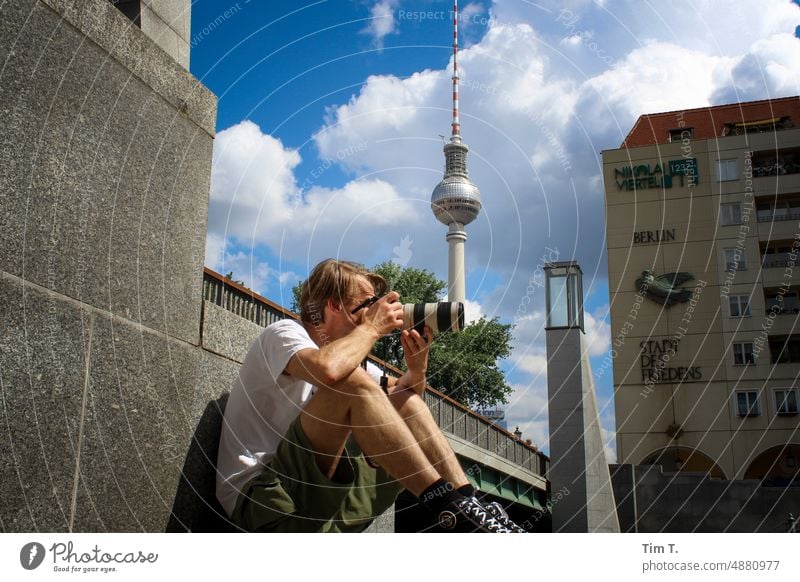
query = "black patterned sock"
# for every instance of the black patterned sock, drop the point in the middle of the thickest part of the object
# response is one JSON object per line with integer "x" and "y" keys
{"x": 435, "y": 497}
{"x": 467, "y": 490}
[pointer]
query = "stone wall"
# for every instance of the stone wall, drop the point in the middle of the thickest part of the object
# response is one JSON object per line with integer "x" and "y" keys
{"x": 105, "y": 160}
{"x": 687, "y": 502}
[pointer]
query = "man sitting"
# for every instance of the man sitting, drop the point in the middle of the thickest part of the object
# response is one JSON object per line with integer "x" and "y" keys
{"x": 312, "y": 443}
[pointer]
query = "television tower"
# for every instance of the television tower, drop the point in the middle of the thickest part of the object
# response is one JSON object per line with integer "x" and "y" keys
{"x": 456, "y": 201}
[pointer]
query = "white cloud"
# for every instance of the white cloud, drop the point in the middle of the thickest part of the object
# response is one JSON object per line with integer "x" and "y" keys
{"x": 473, "y": 311}
{"x": 527, "y": 408}
{"x": 382, "y": 22}
{"x": 529, "y": 353}
{"x": 769, "y": 69}
{"x": 255, "y": 200}
{"x": 598, "y": 334}
{"x": 667, "y": 77}
{"x": 246, "y": 267}
{"x": 609, "y": 444}
{"x": 253, "y": 187}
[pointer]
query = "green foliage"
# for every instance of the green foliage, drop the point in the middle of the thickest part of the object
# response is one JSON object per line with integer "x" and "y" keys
{"x": 464, "y": 365}
{"x": 414, "y": 285}
{"x": 295, "y": 306}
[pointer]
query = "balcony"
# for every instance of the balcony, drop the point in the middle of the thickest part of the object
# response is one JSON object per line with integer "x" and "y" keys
{"x": 779, "y": 216}
{"x": 779, "y": 254}
{"x": 776, "y": 163}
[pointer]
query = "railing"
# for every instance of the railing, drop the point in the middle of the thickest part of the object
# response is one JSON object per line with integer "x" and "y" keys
{"x": 451, "y": 415}
{"x": 781, "y": 168}
{"x": 775, "y": 263}
{"x": 779, "y": 217}
{"x": 241, "y": 300}
{"x": 465, "y": 424}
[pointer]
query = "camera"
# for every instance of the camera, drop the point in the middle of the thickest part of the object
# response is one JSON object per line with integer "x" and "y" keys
{"x": 443, "y": 316}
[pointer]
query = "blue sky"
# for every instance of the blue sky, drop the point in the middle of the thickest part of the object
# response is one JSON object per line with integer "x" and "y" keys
{"x": 328, "y": 137}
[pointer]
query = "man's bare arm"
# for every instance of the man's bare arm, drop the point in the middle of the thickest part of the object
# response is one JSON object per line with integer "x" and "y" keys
{"x": 335, "y": 360}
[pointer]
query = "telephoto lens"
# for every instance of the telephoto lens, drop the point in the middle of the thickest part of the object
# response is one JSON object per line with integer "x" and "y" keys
{"x": 444, "y": 316}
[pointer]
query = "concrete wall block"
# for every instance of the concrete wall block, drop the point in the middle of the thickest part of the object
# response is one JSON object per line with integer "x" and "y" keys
{"x": 144, "y": 398}
{"x": 154, "y": 26}
{"x": 177, "y": 14}
{"x": 108, "y": 203}
{"x": 460, "y": 423}
{"x": 43, "y": 349}
{"x": 136, "y": 52}
{"x": 227, "y": 334}
{"x": 384, "y": 523}
{"x": 669, "y": 502}
{"x": 447, "y": 412}
{"x": 483, "y": 435}
{"x": 472, "y": 429}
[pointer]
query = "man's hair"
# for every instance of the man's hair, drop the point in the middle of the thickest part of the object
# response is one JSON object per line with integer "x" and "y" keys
{"x": 336, "y": 280}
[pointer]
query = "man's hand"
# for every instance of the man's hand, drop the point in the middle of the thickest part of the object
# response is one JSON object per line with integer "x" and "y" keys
{"x": 386, "y": 314}
{"x": 415, "y": 349}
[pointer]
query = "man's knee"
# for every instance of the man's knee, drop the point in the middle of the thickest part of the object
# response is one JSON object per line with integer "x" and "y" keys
{"x": 410, "y": 404}
{"x": 359, "y": 384}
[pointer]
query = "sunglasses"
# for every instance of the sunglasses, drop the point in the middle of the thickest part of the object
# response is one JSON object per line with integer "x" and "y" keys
{"x": 365, "y": 303}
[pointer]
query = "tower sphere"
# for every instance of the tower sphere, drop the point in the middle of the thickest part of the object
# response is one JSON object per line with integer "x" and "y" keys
{"x": 456, "y": 198}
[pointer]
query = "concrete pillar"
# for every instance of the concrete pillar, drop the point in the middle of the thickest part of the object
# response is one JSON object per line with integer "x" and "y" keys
{"x": 583, "y": 499}
{"x": 105, "y": 168}
{"x": 456, "y": 237}
{"x": 581, "y": 493}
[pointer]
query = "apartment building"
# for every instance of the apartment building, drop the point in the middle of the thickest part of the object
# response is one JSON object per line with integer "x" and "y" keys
{"x": 703, "y": 238}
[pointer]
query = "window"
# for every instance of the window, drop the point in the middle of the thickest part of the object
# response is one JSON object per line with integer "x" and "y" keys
{"x": 727, "y": 170}
{"x": 776, "y": 163}
{"x": 784, "y": 350}
{"x": 681, "y": 134}
{"x": 786, "y": 400}
{"x": 777, "y": 256}
{"x": 785, "y": 209}
{"x": 734, "y": 260}
{"x": 747, "y": 403}
{"x": 131, "y": 9}
{"x": 782, "y": 301}
{"x": 730, "y": 213}
{"x": 743, "y": 354}
{"x": 740, "y": 305}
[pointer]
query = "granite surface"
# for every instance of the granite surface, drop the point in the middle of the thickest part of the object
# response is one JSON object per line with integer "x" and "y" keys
{"x": 103, "y": 181}
{"x": 44, "y": 344}
{"x": 146, "y": 395}
{"x": 227, "y": 334}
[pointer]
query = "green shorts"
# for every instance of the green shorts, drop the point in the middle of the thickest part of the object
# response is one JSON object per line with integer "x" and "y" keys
{"x": 291, "y": 494}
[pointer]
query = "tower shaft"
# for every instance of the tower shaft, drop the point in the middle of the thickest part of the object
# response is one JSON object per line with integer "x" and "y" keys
{"x": 456, "y": 201}
{"x": 456, "y": 286}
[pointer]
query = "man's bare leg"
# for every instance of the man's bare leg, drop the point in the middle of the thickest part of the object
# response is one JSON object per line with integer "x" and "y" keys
{"x": 359, "y": 405}
{"x": 412, "y": 408}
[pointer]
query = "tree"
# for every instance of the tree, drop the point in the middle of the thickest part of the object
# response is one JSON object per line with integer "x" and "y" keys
{"x": 465, "y": 365}
{"x": 229, "y": 277}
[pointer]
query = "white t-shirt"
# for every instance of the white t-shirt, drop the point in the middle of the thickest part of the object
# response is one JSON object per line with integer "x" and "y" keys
{"x": 262, "y": 405}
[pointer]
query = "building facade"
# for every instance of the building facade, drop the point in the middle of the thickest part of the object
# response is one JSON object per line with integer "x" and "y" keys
{"x": 703, "y": 238}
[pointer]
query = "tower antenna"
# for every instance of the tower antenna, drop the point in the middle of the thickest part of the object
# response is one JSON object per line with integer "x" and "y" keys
{"x": 456, "y": 123}
{"x": 456, "y": 201}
